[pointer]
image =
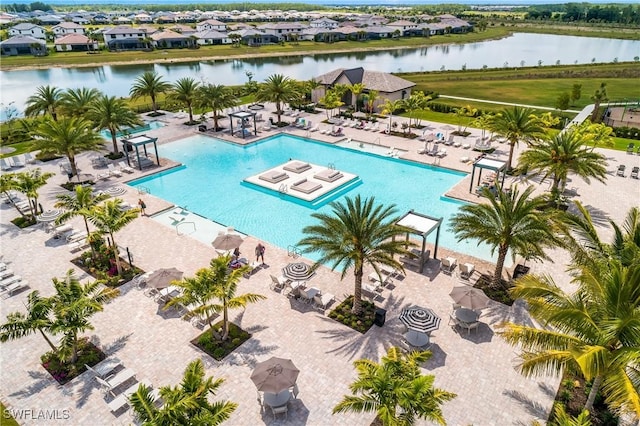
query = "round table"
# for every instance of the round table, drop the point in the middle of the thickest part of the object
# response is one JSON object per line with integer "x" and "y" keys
{"x": 466, "y": 315}
{"x": 416, "y": 338}
{"x": 277, "y": 399}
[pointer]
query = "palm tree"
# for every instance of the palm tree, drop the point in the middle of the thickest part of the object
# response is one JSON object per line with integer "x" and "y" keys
{"x": 185, "y": 90}
{"x": 72, "y": 306}
{"x": 371, "y": 98}
{"x": 358, "y": 232}
{"x": 278, "y": 89}
{"x": 415, "y": 102}
{"x": 69, "y": 136}
{"x": 77, "y": 102}
{"x": 356, "y": 89}
{"x": 395, "y": 390}
{"x": 464, "y": 113}
{"x": 110, "y": 218}
{"x": 598, "y": 97}
{"x": 217, "y": 282}
{"x": 516, "y": 124}
{"x": 185, "y": 404}
{"x": 29, "y": 183}
{"x": 593, "y": 330}
{"x": 37, "y": 319}
{"x": 46, "y": 100}
{"x": 389, "y": 107}
{"x": 8, "y": 182}
{"x": 510, "y": 221}
{"x": 331, "y": 100}
{"x": 149, "y": 84}
{"x": 217, "y": 97}
{"x": 562, "y": 154}
{"x": 112, "y": 114}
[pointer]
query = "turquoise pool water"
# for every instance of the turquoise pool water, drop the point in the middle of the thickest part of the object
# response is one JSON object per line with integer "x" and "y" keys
{"x": 150, "y": 125}
{"x": 210, "y": 184}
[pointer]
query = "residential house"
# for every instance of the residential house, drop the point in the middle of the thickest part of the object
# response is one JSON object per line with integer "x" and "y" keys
{"x": 23, "y": 45}
{"x": 212, "y": 37}
{"x": 65, "y": 28}
{"x": 50, "y": 19}
{"x": 100, "y": 19}
{"x": 405, "y": 27}
{"x": 253, "y": 37}
{"x": 324, "y": 23}
{"x": 282, "y": 30}
{"x": 168, "y": 39}
{"x": 126, "y": 38}
{"x": 326, "y": 35}
{"x": 6, "y": 18}
{"x": 387, "y": 85}
{"x": 75, "y": 43}
{"x": 143, "y": 18}
{"x": 184, "y": 30}
{"x": 27, "y": 29}
{"x": 211, "y": 25}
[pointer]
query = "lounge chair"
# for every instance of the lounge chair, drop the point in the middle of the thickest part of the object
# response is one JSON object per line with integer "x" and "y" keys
{"x": 4, "y": 164}
{"x": 321, "y": 301}
{"x": 305, "y": 186}
{"x": 450, "y": 140}
{"x": 307, "y": 125}
{"x": 278, "y": 283}
{"x": 110, "y": 384}
{"x": 266, "y": 127}
{"x": 10, "y": 289}
{"x": 372, "y": 290}
{"x": 29, "y": 158}
{"x": 329, "y": 175}
{"x": 315, "y": 128}
{"x": 17, "y": 162}
{"x": 448, "y": 264}
{"x": 634, "y": 172}
{"x": 630, "y": 148}
{"x": 297, "y": 166}
{"x": 274, "y": 176}
{"x": 621, "y": 169}
{"x": 6, "y": 273}
{"x": 103, "y": 176}
{"x": 441, "y": 153}
{"x": 324, "y": 130}
{"x": 466, "y": 270}
{"x": 337, "y": 132}
{"x": 125, "y": 168}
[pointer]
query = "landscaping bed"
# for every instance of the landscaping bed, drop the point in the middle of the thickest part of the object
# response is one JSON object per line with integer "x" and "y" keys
{"x": 573, "y": 393}
{"x": 219, "y": 349}
{"x": 103, "y": 268}
{"x": 88, "y": 354}
{"x": 498, "y": 294}
{"x": 342, "y": 313}
{"x": 24, "y": 221}
{"x": 71, "y": 186}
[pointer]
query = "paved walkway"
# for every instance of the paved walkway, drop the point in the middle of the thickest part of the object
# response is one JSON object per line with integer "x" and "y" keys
{"x": 154, "y": 343}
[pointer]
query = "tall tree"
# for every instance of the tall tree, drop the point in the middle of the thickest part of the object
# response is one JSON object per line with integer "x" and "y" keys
{"x": 516, "y": 124}
{"x": 599, "y": 96}
{"x": 46, "y": 100}
{"x": 184, "y": 404}
{"x": 8, "y": 183}
{"x": 595, "y": 330}
{"x": 29, "y": 183}
{"x": 68, "y": 136}
{"x": 356, "y": 233}
{"x": 356, "y": 89}
{"x": 77, "y": 102}
{"x": 112, "y": 114}
{"x": 559, "y": 155}
{"x": 72, "y": 306}
{"x": 110, "y": 218}
{"x": 388, "y": 108}
{"x": 150, "y": 84}
{"x": 509, "y": 221}
{"x": 216, "y": 283}
{"x": 185, "y": 90}
{"x": 370, "y": 100}
{"x": 395, "y": 390}
{"x": 37, "y": 319}
{"x": 278, "y": 89}
{"x": 217, "y": 97}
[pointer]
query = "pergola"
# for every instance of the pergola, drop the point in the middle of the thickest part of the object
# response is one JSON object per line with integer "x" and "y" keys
{"x": 136, "y": 142}
{"x": 423, "y": 225}
{"x": 490, "y": 164}
{"x": 243, "y": 117}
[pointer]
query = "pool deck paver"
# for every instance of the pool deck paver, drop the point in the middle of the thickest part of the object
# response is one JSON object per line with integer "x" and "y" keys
{"x": 154, "y": 343}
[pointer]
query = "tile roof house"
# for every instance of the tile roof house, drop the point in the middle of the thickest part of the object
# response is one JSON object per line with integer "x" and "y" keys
{"x": 168, "y": 39}
{"x": 212, "y": 37}
{"x": 324, "y": 22}
{"x": 387, "y": 85}
{"x": 211, "y": 24}
{"x": 27, "y": 29}
{"x": 126, "y": 38}
{"x": 23, "y": 45}
{"x": 75, "y": 43}
{"x": 64, "y": 28}
{"x": 282, "y": 30}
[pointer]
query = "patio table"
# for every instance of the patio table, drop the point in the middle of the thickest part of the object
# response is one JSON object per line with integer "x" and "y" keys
{"x": 466, "y": 315}
{"x": 416, "y": 338}
{"x": 277, "y": 399}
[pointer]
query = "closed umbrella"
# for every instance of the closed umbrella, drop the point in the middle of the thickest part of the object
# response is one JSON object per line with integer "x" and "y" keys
{"x": 48, "y": 216}
{"x": 162, "y": 278}
{"x": 469, "y": 297}
{"x": 275, "y": 375}
{"x": 447, "y": 128}
{"x": 297, "y": 271}
{"x": 114, "y": 191}
{"x": 227, "y": 242}
{"x": 422, "y": 320}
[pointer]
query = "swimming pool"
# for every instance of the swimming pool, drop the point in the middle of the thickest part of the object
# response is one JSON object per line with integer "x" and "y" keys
{"x": 149, "y": 125}
{"x": 210, "y": 185}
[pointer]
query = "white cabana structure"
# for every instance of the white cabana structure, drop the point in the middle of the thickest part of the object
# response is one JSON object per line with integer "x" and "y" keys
{"x": 487, "y": 163}
{"x": 423, "y": 225}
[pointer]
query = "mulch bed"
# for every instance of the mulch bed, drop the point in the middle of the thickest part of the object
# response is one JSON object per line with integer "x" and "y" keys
{"x": 498, "y": 294}
{"x": 342, "y": 313}
{"x": 573, "y": 393}
{"x": 219, "y": 349}
{"x": 88, "y": 354}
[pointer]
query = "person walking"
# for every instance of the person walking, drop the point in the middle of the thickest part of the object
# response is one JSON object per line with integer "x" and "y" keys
{"x": 142, "y": 206}
{"x": 260, "y": 249}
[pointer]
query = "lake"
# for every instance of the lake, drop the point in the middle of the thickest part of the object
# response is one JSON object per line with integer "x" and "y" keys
{"x": 520, "y": 49}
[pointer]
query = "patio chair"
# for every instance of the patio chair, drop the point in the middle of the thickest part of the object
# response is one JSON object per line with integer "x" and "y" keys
{"x": 109, "y": 385}
{"x": 29, "y": 158}
{"x": 321, "y": 301}
{"x": 283, "y": 409}
{"x": 621, "y": 169}
{"x": 122, "y": 400}
{"x": 295, "y": 391}
{"x": 4, "y": 164}
{"x": 466, "y": 270}
{"x": 278, "y": 283}
{"x": 448, "y": 264}
{"x": 315, "y": 128}
{"x": 125, "y": 168}
{"x": 634, "y": 172}
{"x": 17, "y": 162}
{"x": 469, "y": 326}
{"x": 9, "y": 290}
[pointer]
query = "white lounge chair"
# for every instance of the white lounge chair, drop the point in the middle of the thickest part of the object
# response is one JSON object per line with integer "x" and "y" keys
{"x": 466, "y": 270}
{"x": 125, "y": 168}
{"x": 448, "y": 264}
{"x": 113, "y": 171}
{"x": 9, "y": 290}
{"x": 29, "y": 158}
{"x": 110, "y": 384}
{"x": 4, "y": 164}
{"x": 315, "y": 128}
{"x": 278, "y": 283}
{"x": 321, "y": 301}
{"x": 17, "y": 162}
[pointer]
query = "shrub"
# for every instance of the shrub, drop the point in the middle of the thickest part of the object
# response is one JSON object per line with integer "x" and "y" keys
{"x": 24, "y": 222}
{"x": 216, "y": 348}
{"x": 342, "y": 313}
{"x": 88, "y": 354}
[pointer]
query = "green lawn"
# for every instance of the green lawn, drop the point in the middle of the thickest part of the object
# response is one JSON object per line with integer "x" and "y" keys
{"x": 5, "y": 418}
